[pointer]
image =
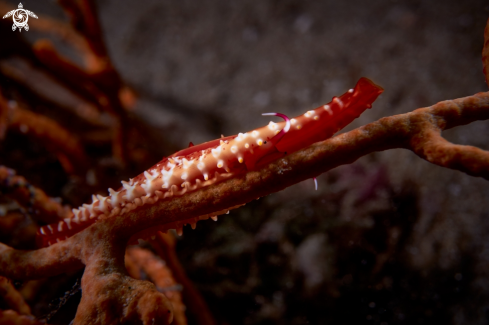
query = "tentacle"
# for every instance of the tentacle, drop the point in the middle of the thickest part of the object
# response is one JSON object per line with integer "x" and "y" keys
{"x": 286, "y": 128}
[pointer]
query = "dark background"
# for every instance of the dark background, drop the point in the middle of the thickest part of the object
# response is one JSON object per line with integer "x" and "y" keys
{"x": 390, "y": 239}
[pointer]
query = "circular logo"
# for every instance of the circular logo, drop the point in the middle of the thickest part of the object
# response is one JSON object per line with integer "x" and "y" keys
{"x": 20, "y": 18}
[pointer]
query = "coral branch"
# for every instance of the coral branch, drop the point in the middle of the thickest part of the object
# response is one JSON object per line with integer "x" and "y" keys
{"x": 41, "y": 263}
{"x": 84, "y": 19}
{"x": 13, "y": 318}
{"x": 55, "y": 138}
{"x": 164, "y": 244}
{"x": 485, "y": 53}
{"x": 69, "y": 72}
{"x": 12, "y": 297}
{"x": 110, "y": 296}
{"x": 3, "y": 117}
{"x": 418, "y": 131}
{"x": 16, "y": 187}
{"x": 143, "y": 264}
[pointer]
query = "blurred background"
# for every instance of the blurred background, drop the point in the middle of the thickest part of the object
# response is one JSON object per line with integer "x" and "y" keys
{"x": 389, "y": 239}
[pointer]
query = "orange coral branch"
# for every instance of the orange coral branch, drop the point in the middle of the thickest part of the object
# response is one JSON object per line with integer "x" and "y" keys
{"x": 12, "y": 297}
{"x": 41, "y": 263}
{"x": 84, "y": 19}
{"x": 142, "y": 263}
{"x": 114, "y": 96}
{"x": 11, "y": 317}
{"x": 164, "y": 244}
{"x": 66, "y": 70}
{"x": 3, "y": 118}
{"x": 400, "y": 131}
{"x": 104, "y": 93}
{"x": 55, "y": 138}
{"x": 26, "y": 195}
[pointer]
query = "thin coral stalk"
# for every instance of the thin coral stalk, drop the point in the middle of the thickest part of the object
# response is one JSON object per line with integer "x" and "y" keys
{"x": 11, "y": 317}
{"x": 55, "y": 138}
{"x": 26, "y": 195}
{"x": 141, "y": 263}
{"x": 164, "y": 244}
{"x": 12, "y": 297}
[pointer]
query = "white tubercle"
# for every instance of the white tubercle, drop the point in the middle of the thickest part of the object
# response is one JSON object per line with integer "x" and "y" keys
{"x": 89, "y": 208}
{"x": 241, "y": 136}
{"x": 328, "y": 109}
{"x": 200, "y": 166}
{"x": 132, "y": 191}
{"x": 68, "y": 222}
{"x": 76, "y": 215}
{"x": 152, "y": 183}
{"x": 217, "y": 151}
{"x": 187, "y": 163}
{"x": 83, "y": 213}
{"x": 165, "y": 176}
{"x": 103, "y": 205}
{"x": 338, "y": 101}
{"x": 115, "y": 198}
{"x": 272, "y": 126}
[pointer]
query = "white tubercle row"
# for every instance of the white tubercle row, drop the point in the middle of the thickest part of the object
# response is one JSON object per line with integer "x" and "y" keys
{"x": 177, "y": 175}
{"x": 180, "y": 170}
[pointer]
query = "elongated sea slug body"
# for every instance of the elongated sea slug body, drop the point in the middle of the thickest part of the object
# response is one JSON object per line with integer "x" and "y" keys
{"x": 207, "y": 163}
